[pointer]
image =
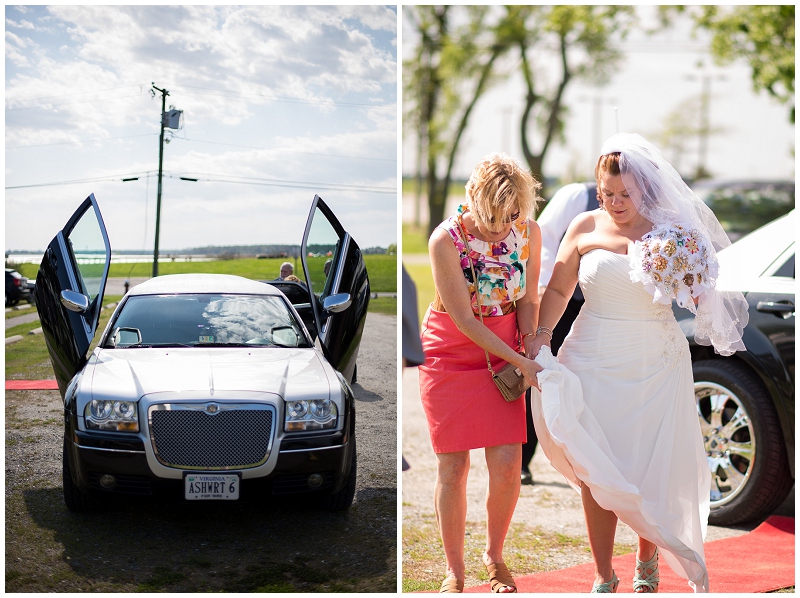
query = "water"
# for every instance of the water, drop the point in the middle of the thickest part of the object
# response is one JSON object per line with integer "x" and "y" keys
{"x": 33, "y": 258}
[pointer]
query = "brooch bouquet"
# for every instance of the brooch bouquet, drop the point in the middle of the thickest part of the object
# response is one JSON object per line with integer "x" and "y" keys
{"x": 673, "y": 262}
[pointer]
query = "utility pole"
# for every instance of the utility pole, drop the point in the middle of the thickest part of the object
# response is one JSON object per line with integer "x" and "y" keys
{"x": 164, "y": 94}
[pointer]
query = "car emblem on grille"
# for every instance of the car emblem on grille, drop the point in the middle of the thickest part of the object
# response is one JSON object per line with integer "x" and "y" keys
{"x": 212, "y": 408}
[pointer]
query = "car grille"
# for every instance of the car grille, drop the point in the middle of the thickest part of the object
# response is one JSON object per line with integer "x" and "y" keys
{"x": 235, "y": 437}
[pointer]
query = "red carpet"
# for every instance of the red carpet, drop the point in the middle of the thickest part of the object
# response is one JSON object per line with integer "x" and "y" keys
{"x": 31, "y": 385}
{"x": 759, "y": 561}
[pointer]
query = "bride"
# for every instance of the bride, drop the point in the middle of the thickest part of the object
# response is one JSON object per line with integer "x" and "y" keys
{"x": 616, "y": 414}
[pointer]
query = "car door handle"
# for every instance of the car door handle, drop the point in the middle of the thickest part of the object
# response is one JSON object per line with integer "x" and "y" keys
{"x": 785, "y": 309}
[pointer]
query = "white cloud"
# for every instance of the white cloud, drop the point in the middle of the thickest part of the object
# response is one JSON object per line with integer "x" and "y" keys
{"x": 311, "y": 90}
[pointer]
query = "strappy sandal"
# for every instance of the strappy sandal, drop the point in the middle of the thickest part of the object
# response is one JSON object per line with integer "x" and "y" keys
{"x": 610, "y": 587}
{"x": 500, "y": 577}
{"x": 451, "y": 585}
{"x": 643, "y": 582}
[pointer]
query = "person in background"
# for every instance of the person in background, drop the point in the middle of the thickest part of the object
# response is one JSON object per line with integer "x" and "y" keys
{"x": 569, "y": 201}
{"x": 286, "y": 270}
{"x": 412, "y": 347}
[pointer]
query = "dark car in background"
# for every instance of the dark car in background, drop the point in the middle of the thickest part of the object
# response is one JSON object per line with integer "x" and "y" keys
{"x": 742, "y": 206}
{"x": 17, "y": 287}
{"x": 205, "y": 387}
{"x": 745, "y": 402}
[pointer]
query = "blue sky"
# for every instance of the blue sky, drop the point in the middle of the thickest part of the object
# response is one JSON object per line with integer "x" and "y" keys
{"x": 279, "y": 103}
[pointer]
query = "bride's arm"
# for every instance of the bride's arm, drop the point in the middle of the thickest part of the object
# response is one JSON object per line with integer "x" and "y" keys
{"x": 528, "y": 305}
{"x": 562, "y": 283}
{"x": 448, "y": 277}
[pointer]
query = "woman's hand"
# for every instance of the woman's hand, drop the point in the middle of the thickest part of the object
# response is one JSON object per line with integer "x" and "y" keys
{"x": 529, "y": 369}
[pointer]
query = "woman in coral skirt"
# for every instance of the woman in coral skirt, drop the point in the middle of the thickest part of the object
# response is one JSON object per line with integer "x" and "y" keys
{"x": 494, "y": 234}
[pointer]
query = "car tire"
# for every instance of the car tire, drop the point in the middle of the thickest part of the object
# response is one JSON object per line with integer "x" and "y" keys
{"x": 751, "y": 480}
{"x": 341, "y": 500}
{"x": 76, "y": 500}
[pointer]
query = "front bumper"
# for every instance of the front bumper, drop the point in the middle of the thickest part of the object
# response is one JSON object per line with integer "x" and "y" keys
{"x": 298, "y": 458}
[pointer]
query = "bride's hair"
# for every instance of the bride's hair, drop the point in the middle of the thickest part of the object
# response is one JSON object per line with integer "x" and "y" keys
{"x": 497, "y": 188}
{"x": 607, "y": 163}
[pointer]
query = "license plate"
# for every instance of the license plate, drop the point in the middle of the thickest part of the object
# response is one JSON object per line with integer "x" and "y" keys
{"x": 211, "y": 486}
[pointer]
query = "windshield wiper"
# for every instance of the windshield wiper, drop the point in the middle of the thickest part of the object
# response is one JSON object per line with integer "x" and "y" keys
{"x": 246, "y": 345}
{"x": 153, "y": 346}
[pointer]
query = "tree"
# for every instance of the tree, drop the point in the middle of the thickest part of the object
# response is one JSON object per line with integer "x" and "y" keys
{"x": 451, "y": 69}
{"x": 581, "y": 39}
{"x": 762, "y": 35}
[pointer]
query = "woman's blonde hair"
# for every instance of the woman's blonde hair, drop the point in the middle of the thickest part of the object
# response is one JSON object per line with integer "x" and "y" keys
{"x": 497, "y": 188}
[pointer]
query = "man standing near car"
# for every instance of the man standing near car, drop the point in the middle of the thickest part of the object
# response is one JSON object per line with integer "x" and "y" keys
{"x": 569, "y": 201}
{"x": 286, "y": 270}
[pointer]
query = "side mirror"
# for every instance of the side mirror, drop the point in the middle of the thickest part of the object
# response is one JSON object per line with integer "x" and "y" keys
{"x": 124, "y": 337}
{"x": 336, "y": 303}
{"x": 76, "y": 302}
{"x": 285, "y": 335}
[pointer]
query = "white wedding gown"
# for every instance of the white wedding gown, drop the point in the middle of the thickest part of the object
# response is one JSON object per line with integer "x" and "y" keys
{"x": 617, "y": 412}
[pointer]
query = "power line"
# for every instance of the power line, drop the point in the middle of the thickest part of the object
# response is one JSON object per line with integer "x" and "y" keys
{"x": 218, "y": 178}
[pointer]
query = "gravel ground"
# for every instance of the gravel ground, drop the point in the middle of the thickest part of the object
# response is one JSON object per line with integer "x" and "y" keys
{"x": 550, "y": 505}
{"x": 247, "y": 547}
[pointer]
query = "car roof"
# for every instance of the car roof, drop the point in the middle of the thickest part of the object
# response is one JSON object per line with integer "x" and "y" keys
{"x": 203, "y": 283}
{"x": 753, "y": 254}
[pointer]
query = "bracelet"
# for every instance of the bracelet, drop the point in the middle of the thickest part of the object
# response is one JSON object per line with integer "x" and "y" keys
{"x": 546, "y": 330}
{"x": 526, "y": 335}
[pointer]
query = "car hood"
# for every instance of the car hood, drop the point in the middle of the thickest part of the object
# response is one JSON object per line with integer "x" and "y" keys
{"x": 132, "y": 373}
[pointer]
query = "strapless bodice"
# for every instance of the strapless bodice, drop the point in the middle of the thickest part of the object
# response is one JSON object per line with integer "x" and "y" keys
{"x": 609, "y": 292}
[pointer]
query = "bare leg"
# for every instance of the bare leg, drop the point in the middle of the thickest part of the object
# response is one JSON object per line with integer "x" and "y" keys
{"x": 504, "y": 464}
{"x": 646, "y": 550}
{"x": 601, "y": 526}
{"x": 450, "y": 499}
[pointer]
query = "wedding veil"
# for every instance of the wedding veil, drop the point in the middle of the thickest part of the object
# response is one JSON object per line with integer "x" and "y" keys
{"x": 661, "y": 196}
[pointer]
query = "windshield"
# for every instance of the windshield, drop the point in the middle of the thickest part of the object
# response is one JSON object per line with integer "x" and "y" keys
{"x": 205, "y": 320}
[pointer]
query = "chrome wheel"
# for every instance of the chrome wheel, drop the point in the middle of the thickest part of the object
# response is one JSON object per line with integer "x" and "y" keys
{"x": 729, "y": 439}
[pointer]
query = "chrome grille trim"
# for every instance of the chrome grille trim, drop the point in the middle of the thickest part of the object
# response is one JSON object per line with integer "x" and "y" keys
{"x": 308, "y": 450}
{"x": 212, "y": 435}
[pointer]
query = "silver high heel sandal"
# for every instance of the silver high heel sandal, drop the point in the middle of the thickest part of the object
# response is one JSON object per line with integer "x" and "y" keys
{"x": 610, "y": 587}
{"x": 643, "y": 582}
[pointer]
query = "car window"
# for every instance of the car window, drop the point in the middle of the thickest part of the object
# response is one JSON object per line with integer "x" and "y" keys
{"x": 207, "y": 320}
{"x": 324, "y": 244}
{"x": 787, "y": 269}
{"x": 88, "y": 250}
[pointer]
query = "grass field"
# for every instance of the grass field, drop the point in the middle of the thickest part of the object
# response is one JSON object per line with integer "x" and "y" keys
{"x": 382, "y": 269}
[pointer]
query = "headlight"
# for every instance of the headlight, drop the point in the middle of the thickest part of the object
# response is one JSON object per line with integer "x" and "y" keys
{"x": 117, "y": 416}
{"x": 318, "y": 414}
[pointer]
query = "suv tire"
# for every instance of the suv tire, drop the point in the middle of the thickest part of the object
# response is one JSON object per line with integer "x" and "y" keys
{"x": 751, "y": 476}
{"x": 342, "y": 499}
{"x": 76, "y": 500}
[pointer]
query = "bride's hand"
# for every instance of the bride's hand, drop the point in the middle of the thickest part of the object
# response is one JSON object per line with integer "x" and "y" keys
{"x": 537, "y": 343}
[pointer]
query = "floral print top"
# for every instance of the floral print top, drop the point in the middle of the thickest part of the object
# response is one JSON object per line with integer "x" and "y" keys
{"x": 500, "y": 266}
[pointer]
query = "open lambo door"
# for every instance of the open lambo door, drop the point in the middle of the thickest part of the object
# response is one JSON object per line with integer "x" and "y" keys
{"x": 337, "y": 278}
{"x": 69, "y": 289}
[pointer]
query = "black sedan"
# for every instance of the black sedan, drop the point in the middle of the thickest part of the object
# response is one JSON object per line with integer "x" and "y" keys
{"x": 745, "y": 402}
{"x": 17, "y": 287}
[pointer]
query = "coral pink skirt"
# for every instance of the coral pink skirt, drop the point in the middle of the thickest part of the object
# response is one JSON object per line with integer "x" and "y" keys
{"x": 463, "y": 406}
